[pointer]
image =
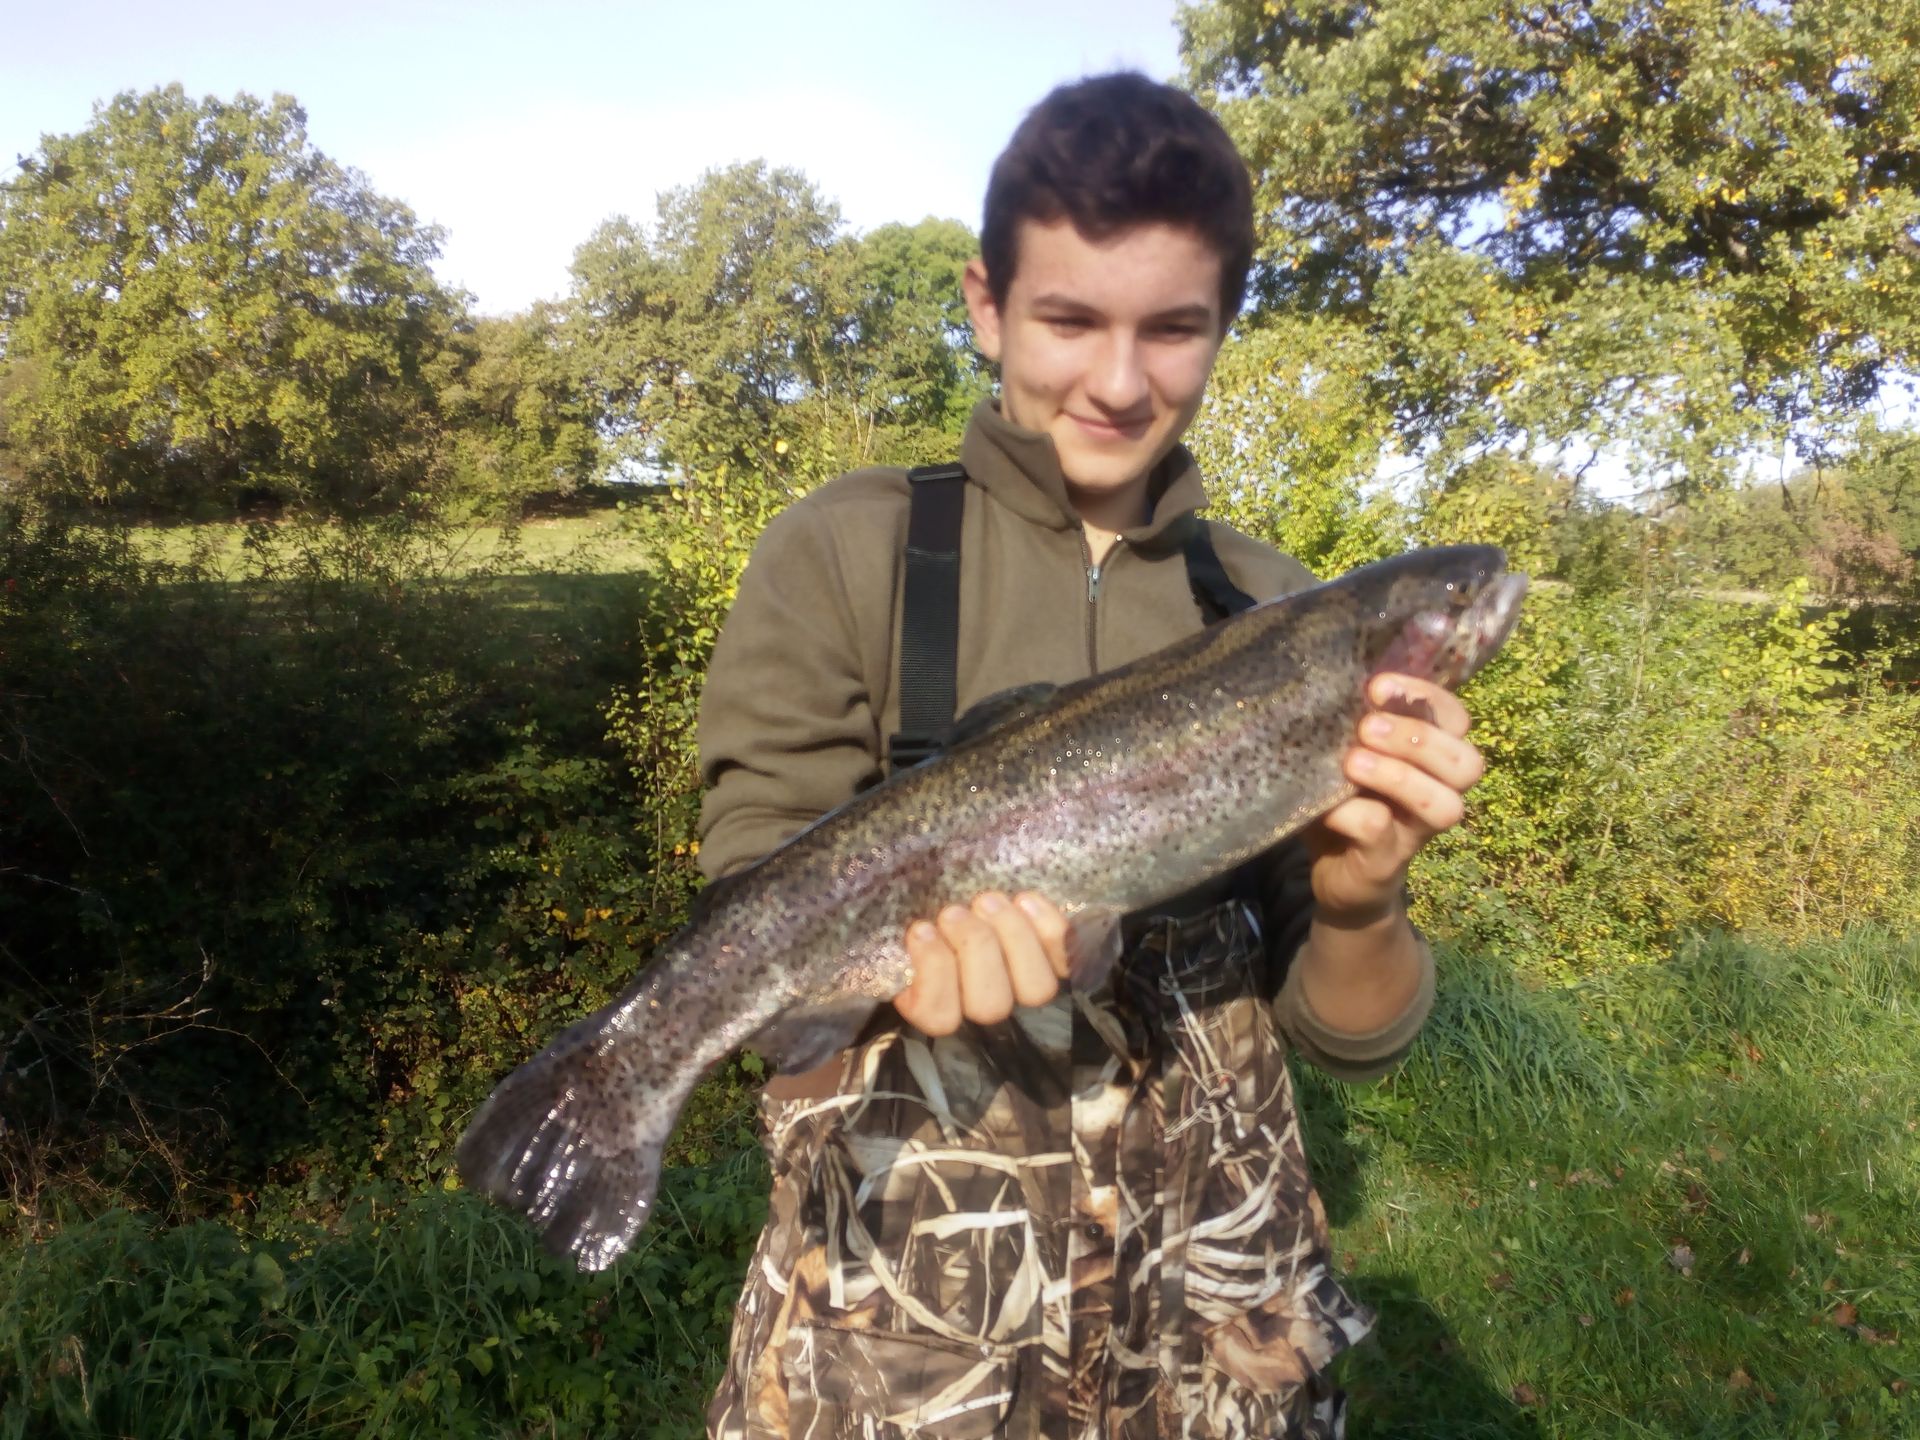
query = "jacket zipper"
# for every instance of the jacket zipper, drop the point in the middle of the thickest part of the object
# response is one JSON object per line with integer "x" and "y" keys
{"x": 1093, "y": 598}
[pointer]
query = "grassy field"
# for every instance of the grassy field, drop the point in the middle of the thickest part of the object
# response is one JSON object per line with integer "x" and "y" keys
{"x": 599, "y": 540}
{"x": 1675, "y": 1201}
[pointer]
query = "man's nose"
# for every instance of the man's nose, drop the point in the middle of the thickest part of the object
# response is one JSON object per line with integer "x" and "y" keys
{"x": 1118, "y": 380}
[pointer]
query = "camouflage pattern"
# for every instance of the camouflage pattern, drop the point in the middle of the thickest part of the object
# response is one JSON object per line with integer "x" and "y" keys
{"x": 955, "y": 1249}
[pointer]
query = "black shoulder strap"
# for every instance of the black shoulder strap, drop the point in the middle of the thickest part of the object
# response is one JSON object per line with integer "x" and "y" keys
{"x": 1213, "y": 589}
{"x": 1218, "y": 597}
{"x": 930, "y": 612}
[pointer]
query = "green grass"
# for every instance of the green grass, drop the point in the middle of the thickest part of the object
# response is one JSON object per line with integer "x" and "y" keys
{"x": 427, "y": 1315}
{"x": 599, "y": 540}
{"x": 1675, "y": 1201}
{"x": 1514, "y": 1202}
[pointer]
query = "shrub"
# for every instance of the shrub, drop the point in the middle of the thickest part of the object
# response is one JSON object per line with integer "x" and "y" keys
{"x": 1660, "y": 763}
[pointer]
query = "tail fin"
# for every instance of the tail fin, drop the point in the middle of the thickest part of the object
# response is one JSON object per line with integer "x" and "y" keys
{"x": 567, "y": 1149}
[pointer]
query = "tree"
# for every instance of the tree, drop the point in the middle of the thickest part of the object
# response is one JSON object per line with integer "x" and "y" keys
{"x": 1692, "y": 226}
{"x": 908, "y": 370}
{"x": 1289, "y": 435}
{"x": 745, "y": 327}
{"x": 517, "y": 420}
{"x": 198, "y": 304}
{"x": 697, "y": 337}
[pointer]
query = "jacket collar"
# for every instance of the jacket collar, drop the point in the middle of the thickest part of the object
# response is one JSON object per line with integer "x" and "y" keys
{"x": 1021, "y": 469}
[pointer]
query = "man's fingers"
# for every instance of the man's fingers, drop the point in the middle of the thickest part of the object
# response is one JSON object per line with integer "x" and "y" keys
{"x": 1050, "y": 926}
{"x": 1029, "y": 973}
{"x": 1365, "y": 820}
{"x": 931, "y": 1004}
{"x": 986, "y": 991}
{"x": 976, "y": 963}
{"x": 1423, "y": 800}
{"x": 1422, "y": 700}
{"x": 1448, "y": 758}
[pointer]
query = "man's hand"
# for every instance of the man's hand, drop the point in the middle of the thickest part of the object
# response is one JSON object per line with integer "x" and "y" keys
{"x": 977, "y": 962}
{"x": 1415, "y": 765}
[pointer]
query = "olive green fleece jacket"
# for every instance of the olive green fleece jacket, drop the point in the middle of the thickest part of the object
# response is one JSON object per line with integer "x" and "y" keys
{"x": 802, "y": 693}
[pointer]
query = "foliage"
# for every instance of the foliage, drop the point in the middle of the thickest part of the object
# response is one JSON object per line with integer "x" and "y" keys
{"x": 696, "y": 335}
{"x": 1288, "y": 441}
{"x": 199, "y": 307}
{"x": 1853, "y": 530}
{"x": 516, "y": 419}
{"x": 745, "y": 321}
{"x": 421, "y": 1314}
{"x": 906, "y": 375}
{"x": 1682, "y": 229}
{"x": 320, "y": 856}
{"x": 1659, "y": 763}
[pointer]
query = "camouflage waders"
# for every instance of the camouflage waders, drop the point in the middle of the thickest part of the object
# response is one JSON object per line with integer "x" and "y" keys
{"x": 956, "y": 1247}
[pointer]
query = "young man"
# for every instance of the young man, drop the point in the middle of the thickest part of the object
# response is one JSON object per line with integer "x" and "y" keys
{"x": 1010, "y": 1209}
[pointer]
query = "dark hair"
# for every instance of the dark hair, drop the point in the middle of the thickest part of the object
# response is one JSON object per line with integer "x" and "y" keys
{"x": 1119, "y": 150}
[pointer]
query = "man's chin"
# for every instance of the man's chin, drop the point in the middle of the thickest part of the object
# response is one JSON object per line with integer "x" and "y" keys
{"x": 1104, "y": 468}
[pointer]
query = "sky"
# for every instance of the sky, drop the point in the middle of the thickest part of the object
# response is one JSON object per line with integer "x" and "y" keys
{"x": 520, "y": 128}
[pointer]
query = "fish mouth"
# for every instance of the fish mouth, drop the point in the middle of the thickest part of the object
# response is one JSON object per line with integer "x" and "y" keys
{"x": 1449, "y": 642}
{"x": 1490, "y": 618}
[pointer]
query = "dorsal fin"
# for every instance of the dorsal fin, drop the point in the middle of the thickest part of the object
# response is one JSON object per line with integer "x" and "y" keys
{"x": 710, "y": 895}
{"x": 999, "y": 709}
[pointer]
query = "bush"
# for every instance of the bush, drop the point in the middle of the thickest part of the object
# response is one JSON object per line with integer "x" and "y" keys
{"x": 1660, "y": 764}
{"x": 300, "y": 865}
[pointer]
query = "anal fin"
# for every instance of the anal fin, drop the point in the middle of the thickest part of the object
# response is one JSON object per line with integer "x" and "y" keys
{"x": 810, "y": 1035}
{"x": 1093, "y": 945}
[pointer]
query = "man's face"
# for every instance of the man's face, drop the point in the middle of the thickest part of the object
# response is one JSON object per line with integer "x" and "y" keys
{"x": 1105, "y": 345}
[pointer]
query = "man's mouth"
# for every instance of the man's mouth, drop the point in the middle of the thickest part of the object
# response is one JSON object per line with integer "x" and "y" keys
{"x": 1103, "y": 428}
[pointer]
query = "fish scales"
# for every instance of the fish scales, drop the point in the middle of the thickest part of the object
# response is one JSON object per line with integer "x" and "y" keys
{"x": 1108, "y": 796}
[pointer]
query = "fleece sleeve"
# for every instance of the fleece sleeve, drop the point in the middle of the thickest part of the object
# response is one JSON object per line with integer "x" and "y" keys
{"x": 1286, "y": 903}
{"x": 787, "y": 724}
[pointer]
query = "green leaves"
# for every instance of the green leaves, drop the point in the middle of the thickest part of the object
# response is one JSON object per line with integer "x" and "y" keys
{"x": 744, "y": 324}
{"x": 694, "y": 336}
{"x": 197, "y": 306}
{"x": 1688, "y": 228}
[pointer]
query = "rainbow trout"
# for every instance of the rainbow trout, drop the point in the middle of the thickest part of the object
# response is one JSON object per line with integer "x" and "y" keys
{"x": 1108, "y": 796}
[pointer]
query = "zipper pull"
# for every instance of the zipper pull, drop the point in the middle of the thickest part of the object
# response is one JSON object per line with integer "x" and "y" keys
{"x": 1093, "y": 584}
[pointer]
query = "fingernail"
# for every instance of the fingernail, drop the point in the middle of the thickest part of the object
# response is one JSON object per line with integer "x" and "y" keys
{"x": 1032, "y": 904}
{"x": 1364, "y": 762}
{"x": 1377, "y": 727}
{"x": 924, "y": 932}
{"x": 993, "y": 904}
{"x": 1386, "y": 692}
{"x": 953, "y": 914}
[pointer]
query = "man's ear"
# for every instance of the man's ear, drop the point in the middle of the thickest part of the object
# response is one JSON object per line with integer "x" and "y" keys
{"x": 982, "y": 309}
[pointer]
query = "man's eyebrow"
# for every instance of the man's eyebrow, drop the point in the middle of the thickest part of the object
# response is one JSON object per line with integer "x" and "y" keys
{"x": 1054, "y": 300}
{"x": 1200, "y": 313}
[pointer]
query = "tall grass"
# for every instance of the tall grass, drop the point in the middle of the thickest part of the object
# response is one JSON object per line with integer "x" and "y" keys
{"x": 418, "y": 1314}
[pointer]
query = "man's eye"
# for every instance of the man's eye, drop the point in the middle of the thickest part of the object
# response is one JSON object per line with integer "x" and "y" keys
{"x": 1180, "y": 331}
{"x": 1069, "y": 323}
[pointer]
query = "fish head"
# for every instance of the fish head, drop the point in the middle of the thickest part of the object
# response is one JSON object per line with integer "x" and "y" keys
{"x": 1437, "y": 614}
